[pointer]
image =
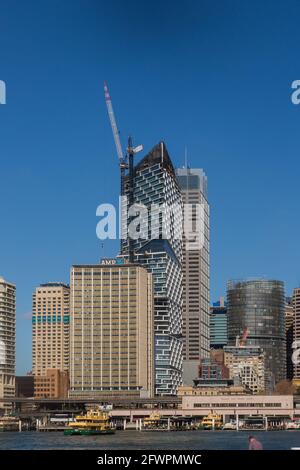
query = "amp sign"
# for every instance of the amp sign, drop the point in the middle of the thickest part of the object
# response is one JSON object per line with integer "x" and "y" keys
{"x": 112, "y": 261}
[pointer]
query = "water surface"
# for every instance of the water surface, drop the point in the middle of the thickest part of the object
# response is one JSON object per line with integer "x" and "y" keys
{"x": 185, "y": 440}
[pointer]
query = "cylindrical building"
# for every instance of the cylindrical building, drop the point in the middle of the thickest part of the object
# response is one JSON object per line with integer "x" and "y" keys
{"x": 257, "y": 306}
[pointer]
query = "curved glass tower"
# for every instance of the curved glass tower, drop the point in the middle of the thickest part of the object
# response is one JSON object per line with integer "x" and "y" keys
{"x": 258, "y": 306}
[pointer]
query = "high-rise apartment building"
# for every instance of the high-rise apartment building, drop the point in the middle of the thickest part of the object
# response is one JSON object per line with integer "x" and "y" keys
{"x": 196, "y": 271}
{"x": 218, "y": 325}
{"x": 111, "y": 331}
{"x": 50, "y": 328}
{"x": 159, "y": 249}
{"x": 247, "y": 363}
{"x": 7, "y": 340}
{"x": 257, "y": 306}
{"x": 296, "y": 334}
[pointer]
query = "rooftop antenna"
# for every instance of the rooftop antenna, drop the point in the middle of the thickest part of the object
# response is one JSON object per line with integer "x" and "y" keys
{"x": 186, "y": 167}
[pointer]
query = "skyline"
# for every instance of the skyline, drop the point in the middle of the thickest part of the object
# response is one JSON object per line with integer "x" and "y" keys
{"x": 57, "y": 147}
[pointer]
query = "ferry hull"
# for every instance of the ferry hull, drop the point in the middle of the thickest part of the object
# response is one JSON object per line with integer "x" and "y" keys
{"x": 87, "y": 432}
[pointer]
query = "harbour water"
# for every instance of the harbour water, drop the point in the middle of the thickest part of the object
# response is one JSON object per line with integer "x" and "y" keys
{"x": 135, "y": 440}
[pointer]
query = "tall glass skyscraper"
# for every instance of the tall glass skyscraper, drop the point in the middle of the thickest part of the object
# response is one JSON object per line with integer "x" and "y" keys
{"x": 155, "y": 186}
{"x": 196, "y": 273}
{"x": 258, "y": 305}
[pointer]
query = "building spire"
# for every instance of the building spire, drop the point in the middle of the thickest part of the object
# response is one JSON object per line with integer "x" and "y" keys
{"x": 185, "y": 157}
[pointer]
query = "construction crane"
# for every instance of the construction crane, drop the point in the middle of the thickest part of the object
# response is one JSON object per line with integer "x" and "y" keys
{"x": 244, "y": 337}
{"x": 242, "y": 342}
{"x": 122, "y": 158}
{"x": 123, "y": 161}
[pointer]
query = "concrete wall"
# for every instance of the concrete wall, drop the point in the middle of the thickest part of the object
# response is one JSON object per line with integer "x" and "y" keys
{"x": 279, "y": 405}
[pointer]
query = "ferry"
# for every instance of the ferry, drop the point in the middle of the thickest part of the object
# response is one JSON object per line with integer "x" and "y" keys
{"x": 153, "y": 420}
{"x": 212, "y": 421}
{"x": 292, "y": 425}
{"x": 231, "y": 426}
{"x": 94, "y": 422}
{"x": 9, "y": 423}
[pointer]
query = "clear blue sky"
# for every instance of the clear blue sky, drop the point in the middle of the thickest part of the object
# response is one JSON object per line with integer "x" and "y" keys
{"x": 212, "y": 75}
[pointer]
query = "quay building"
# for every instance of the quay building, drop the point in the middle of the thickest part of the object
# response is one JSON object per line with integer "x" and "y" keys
{"x": 112, "y": 331}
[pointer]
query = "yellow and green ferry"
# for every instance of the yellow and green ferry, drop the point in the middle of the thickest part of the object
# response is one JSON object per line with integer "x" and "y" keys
{"x": 211, "y": 421}
{"x": 93, "y": 423}
{"x": 152, "y": 421}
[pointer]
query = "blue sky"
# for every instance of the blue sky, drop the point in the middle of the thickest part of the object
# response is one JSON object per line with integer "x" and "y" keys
{"x": 214, "y": 76}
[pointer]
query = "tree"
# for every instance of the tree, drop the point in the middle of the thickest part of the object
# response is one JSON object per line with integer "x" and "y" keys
{"x": 285, "y": 387}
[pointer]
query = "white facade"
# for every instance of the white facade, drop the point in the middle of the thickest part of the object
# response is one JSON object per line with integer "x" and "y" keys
{"x": 238, "y": 405}
{"x": 248, "y": 364}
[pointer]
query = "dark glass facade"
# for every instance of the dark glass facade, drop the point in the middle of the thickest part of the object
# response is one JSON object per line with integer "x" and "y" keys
{"x": 25, "y": 386}
{"x": 259, "y": 306}
{"x": 218, "y": 326}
